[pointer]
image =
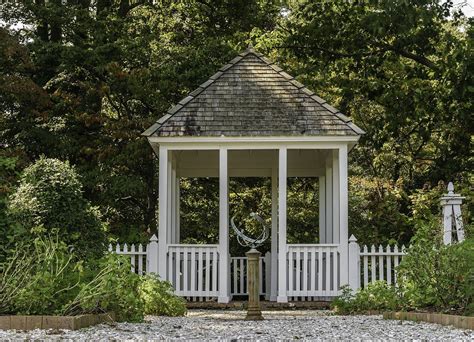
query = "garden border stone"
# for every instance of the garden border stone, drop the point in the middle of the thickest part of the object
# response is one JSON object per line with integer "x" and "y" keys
{"x": 462, "y": 322}
{"x": 23, "y": 322}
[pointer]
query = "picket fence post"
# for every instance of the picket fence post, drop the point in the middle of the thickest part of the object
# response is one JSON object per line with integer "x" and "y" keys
{"x": 354, "y": 264}
{"x": 152, "y": 255}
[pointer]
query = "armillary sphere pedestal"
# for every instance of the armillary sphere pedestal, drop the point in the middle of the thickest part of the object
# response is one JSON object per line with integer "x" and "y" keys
{"x": 253, "y": 311}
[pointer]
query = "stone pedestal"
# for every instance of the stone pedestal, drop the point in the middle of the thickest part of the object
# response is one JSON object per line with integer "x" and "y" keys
{"x": 253, "y": 276}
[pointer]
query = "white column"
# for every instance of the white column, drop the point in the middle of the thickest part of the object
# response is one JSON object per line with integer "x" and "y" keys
{"x": 274, "y": 235}
{"x": 343, "y": 211}
{"x": 336, "y": 197}
{"x": 163, "y": 211}
{"x": 172, "y": 202}
{"x": 322, "y": 209}
{"x": 169, "y": 206}
{"x": 282, "y": 249}
{"x": 177, "y": 209}
{"x": 224, "y": 289}
{"x": 329, "y": 202}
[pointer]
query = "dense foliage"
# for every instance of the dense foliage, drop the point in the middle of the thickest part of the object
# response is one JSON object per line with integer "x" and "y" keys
{"x": 432, "y": 276}
{"x": 158, "y": 298}
{"x": 438, "y": 276}
{"x": 50, "y": 196}
{"x": 377, "y": 296}
{"x": 45, "y": 277}
{"x": 38, "y": 277}
{"x": 110, "y": 287}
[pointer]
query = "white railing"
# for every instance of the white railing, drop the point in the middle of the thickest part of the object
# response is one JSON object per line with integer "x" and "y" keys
{"x": 193, "y": 270}
{"x": 238, "y": 269}
{"x": 313, "y": 270}
{"x": 138, "y": 256}
{"x": 380, "y": 264}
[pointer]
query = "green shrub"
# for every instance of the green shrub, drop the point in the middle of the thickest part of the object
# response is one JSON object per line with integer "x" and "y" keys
{"x": 377, "y": 296}
{"x": 159, "y": 299}
{"x": 50, "y": 195}
{"x": 433, "y": 275}
{"x": 112, "y": 288}
{"x": 38, "y": 278}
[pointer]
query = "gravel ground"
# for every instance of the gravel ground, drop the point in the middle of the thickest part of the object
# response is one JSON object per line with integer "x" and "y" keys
{"x": 279, "y": 325}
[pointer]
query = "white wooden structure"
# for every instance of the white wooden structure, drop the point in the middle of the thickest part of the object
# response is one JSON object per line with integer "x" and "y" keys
{"x": 251, "y": 119}
{"x": 452, "y": 217}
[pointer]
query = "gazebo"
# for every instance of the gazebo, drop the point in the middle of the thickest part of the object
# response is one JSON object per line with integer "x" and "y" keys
{"x": 252, "y": 119}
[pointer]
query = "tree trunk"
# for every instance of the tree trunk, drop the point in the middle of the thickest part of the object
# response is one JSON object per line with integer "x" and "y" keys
{"x": 42, "y": 28}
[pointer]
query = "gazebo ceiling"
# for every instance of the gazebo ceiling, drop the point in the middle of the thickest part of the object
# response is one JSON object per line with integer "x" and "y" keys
{"x": 251, "y": 96}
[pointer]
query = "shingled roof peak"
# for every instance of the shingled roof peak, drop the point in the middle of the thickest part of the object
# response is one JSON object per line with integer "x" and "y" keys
{"x": 214, "y": 103}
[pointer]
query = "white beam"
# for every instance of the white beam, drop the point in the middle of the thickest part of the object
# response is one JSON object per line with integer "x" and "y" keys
{"x": 282, "y": 249}
{"x": 343, "y": 215}
{"x": 224, "y": 289}
{"x": 195, "y": 145}
{"x": 163, "y": 210}
{"x": 263, "y": 172}
{"x": 255, "y": 139}
{"x": 169, "y": 206}
{"x": 274, "y": 235}
{"x": 322, "y": 209}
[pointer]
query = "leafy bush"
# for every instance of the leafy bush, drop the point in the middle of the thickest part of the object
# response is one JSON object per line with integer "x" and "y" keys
{"x": 158, "y": 298}
{"x": 112, "y": 288}
{"x": 38, "y": 278}
{"x": 435, "y": 275}
{"x": 431, "y": 276}
{"x": 46, "y": 278}
{"x": 50, "y": 195}
{"x": 377, "y": 296}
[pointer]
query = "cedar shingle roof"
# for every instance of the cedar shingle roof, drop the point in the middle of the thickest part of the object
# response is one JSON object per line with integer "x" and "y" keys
{"x": 251, "y": 96}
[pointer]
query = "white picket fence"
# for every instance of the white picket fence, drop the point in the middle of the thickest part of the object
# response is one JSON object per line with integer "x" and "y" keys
{"x": 138, "y": 256}
{"x": 238, "y": 280}
{"x": 313, "y": 269}
{"x": 380, "y": 264}
{"x": 193, "y": 270}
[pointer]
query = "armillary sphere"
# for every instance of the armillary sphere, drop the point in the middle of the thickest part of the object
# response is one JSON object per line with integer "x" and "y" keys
{"x": 247, "y": 241}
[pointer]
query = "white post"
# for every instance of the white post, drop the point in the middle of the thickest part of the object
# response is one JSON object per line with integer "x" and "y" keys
{"x": 336, "y": 193}
{"x": 152, "y": 255}
{"x": 224, "y": 293}
{"x": 354, "y": 264}
{"x": 451, "y": 204}
{"x": 169, "y": 199}
{"x": 322, "y": 209}
{"x": 274, "y": 236}
{"x": 172, "y": 202}
{"x": 329, "y": 202}
{"x": 177, "y": 209}
{"x": 163, "y": 211}
{"x": 282, "y": 249}
{"x": 343, "y": 212}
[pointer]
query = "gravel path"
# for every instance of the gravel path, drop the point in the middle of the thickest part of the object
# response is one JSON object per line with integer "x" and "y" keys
{"x": 279, "y": 325}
